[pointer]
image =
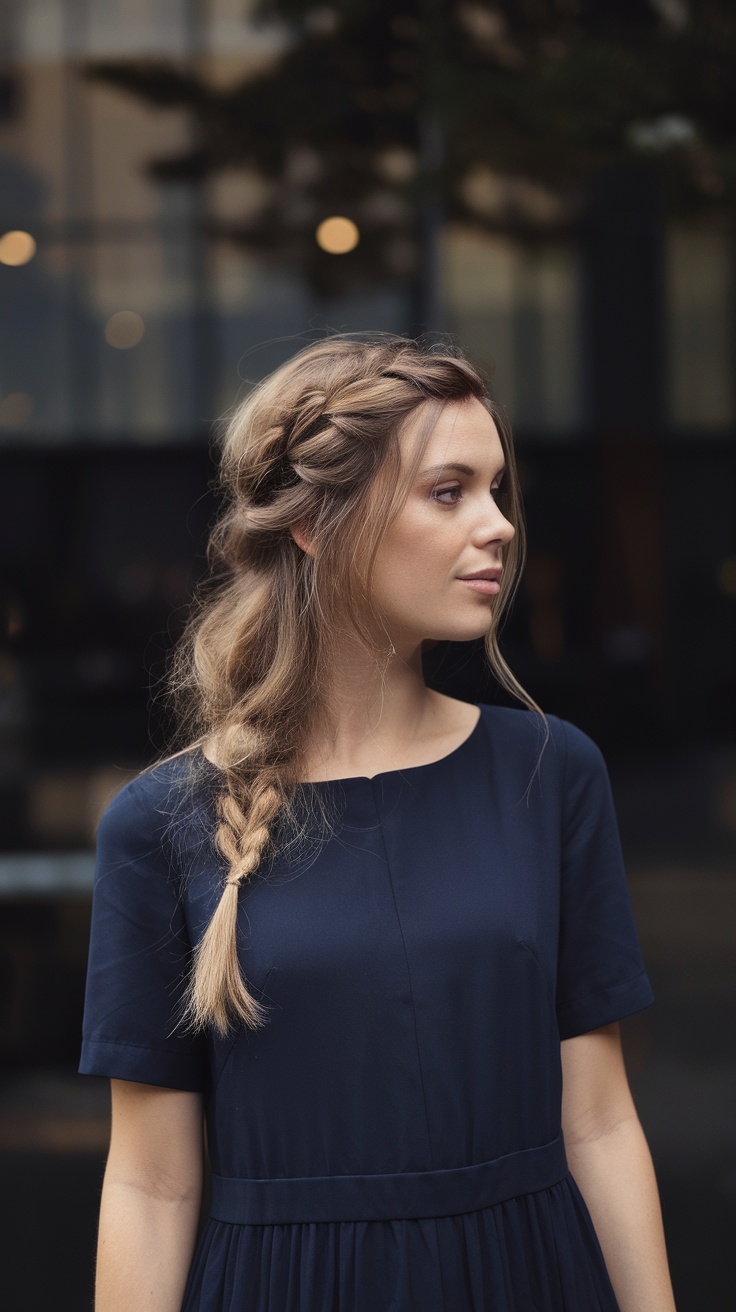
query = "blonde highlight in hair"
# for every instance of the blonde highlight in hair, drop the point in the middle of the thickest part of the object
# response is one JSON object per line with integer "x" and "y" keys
{"x": 314, "y": 446}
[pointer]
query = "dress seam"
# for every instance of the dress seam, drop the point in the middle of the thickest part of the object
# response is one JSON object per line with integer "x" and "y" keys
{"x": 139, "y": 1047}
{"x": 411, "y": 989}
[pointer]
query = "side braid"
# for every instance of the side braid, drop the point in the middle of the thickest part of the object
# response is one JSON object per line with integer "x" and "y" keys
{"x": 241, "y": 838}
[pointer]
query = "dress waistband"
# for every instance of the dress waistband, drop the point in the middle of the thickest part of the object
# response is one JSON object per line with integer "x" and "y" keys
{"x": 388, "y": 1197}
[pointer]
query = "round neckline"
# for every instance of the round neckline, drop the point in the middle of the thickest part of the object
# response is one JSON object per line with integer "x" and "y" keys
{"x": 407, "y": 769}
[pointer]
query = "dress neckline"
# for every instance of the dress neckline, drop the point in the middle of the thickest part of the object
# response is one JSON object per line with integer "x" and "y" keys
{"x": 355, "y": 779}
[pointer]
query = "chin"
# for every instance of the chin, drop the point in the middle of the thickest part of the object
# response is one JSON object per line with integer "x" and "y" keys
{"x": 459, "y": 633}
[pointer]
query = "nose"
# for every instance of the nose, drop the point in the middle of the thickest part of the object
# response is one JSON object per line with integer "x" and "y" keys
{"x": 493, "y": 526}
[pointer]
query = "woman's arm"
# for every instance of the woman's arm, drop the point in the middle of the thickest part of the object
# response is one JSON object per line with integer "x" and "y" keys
{"x": 610, "y": 1161}
{"x": 150, "y": 1198}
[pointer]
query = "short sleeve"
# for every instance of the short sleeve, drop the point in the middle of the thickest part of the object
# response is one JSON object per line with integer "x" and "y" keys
{"x": 601, "y": 975}
{"x": 139, "y": 953}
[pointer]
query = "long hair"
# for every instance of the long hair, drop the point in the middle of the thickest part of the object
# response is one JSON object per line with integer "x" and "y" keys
{"x": 315, "y": 445}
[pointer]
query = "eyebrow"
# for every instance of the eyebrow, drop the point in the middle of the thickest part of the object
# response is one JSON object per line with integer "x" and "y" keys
{"x": 461, "y": 469}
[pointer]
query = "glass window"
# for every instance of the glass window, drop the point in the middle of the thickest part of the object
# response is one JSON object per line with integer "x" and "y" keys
{"x": 516, "y": 310}
{"x": 699, "y": 263}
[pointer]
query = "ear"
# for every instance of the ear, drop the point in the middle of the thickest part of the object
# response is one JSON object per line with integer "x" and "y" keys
{"x": 301, "y": 540}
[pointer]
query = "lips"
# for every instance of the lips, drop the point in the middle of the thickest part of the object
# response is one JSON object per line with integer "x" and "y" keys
{"x": 494, "y": 574}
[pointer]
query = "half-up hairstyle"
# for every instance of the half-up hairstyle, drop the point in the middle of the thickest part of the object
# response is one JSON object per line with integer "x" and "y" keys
{"x": 315, "y": 446}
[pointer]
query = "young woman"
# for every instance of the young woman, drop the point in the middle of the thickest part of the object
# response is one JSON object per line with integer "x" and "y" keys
{"x": 378, "y": 939}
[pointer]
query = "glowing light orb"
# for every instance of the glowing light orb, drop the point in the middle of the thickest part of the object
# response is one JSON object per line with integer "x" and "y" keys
{"x": 17, "y": 247}
{"x": 124, "y": 330}
{"x": 337, "y": 235}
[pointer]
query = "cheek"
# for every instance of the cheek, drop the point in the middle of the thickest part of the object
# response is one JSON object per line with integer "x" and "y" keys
{"x": 419, "y": 548}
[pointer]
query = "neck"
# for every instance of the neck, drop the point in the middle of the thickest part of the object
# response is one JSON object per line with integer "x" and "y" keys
{"x": 375, "y": 711}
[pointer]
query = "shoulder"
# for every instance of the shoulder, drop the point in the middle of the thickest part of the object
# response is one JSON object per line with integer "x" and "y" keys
{"x": 165, "y": 800}
{"x": 519, "y": 729}
{"x": 581, "y": 754}
{"x": 519, "y": 732}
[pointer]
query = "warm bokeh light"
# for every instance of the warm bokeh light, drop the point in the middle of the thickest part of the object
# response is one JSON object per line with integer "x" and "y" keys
{"x": 337, "y": 235}
{"x": 17, "y": 247}
{"x": 124, "y": 329}
{"x": 15, "y": 409}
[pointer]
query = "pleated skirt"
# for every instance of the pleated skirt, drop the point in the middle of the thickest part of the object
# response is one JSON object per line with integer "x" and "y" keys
{"x": 537, "y": 1252}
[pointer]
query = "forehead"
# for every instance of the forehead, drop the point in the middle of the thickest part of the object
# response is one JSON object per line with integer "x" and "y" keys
{"x": 463, "y": 431}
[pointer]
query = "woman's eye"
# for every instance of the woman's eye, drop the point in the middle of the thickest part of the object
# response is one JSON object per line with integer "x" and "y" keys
{"x": 455, "y": 492}
{"x": 446, "y": 491}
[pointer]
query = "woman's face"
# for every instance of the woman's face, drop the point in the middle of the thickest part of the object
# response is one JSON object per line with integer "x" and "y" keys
{"x": 450, "y": 525}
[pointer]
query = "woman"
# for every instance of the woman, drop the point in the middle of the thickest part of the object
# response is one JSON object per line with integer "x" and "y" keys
{"x": 363, "y": 928}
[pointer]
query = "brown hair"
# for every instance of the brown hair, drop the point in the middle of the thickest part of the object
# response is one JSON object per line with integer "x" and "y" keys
{"x": 314, "y": 445}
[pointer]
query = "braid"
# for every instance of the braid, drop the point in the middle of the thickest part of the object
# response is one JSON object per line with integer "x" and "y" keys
{"x": 241, "y": 839}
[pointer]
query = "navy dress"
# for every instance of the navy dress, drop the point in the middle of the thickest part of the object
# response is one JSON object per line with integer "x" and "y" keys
{"x": 391, "y": 1139}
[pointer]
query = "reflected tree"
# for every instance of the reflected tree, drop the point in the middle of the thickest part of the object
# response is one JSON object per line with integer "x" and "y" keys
{"x": 402, "y": 114}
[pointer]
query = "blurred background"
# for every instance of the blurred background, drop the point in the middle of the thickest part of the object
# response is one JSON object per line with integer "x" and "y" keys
{"x": 190, "y": 190}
